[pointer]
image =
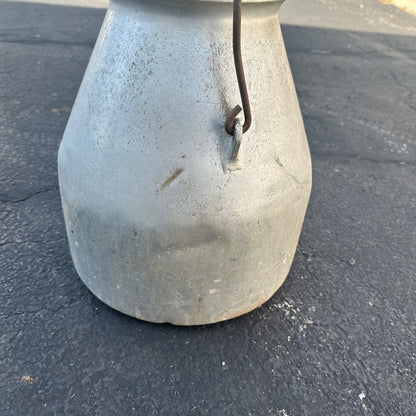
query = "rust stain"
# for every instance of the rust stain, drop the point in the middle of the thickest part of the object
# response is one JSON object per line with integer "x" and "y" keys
{"x": 171, "y": 179}
{"x": 27, "y": 380}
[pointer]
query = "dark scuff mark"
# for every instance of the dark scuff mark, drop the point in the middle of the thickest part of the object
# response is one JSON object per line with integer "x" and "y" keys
{"x": 171, "y": 179}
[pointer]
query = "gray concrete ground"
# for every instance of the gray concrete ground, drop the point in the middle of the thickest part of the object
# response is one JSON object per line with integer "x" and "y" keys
{"x": 337, "y": 339}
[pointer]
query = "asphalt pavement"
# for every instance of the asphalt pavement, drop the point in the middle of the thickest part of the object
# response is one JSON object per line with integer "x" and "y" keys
{"x": 337, "y": 339}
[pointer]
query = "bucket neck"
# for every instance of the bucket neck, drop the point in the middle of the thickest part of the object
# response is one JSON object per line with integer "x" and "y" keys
{"x": 208, "y": 7}
{"x": 190, "y": 2}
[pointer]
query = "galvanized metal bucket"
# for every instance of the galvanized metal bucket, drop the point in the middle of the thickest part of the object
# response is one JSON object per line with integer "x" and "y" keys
{"x": 169, "y": 219}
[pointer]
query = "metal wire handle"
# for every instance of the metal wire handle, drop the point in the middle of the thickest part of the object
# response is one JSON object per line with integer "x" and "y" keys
{"x": 238, "y": 61}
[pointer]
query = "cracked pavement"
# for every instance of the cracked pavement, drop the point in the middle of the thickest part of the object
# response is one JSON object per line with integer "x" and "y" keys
{"x": 337, "y": 339}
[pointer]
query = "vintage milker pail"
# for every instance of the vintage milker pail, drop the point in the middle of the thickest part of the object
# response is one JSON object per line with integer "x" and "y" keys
{"x": 169, "y": 218}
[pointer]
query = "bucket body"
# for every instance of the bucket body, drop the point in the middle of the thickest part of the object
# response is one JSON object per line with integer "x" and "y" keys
{"x": 158, "y": 229}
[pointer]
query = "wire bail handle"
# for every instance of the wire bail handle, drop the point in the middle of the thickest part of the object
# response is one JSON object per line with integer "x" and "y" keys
{"x": 238, "y": 61}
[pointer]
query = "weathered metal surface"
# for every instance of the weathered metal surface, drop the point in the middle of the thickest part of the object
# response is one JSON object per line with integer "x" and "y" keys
{"x": 158, "y": 228}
